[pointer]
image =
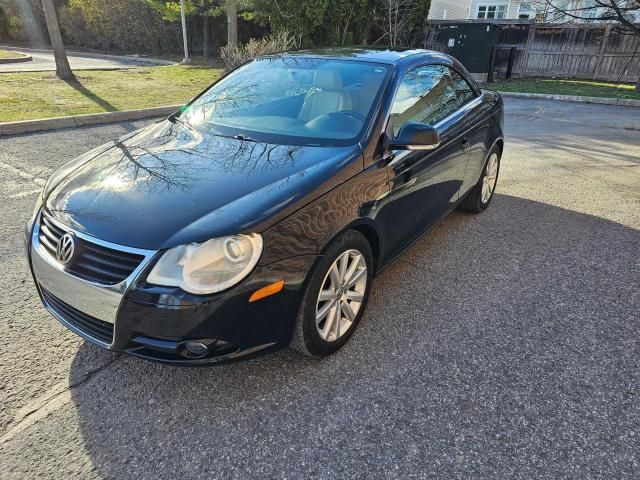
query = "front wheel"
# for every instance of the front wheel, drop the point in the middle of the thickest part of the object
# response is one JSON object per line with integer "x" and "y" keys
{"x": 336, "y": 297}
{"x": 479, "y": 197}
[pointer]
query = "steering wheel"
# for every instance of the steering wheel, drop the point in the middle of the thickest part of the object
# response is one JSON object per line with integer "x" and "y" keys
{"x": 354, "y": 114}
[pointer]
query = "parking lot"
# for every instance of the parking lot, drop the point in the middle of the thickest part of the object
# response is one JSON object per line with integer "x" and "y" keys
{"x": 505, "y": 344}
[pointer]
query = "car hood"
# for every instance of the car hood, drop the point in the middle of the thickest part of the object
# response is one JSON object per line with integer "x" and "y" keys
{"x": 167, "y": 185}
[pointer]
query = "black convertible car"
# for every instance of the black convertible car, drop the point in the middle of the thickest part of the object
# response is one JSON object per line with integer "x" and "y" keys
{"x": 257, "y": 216}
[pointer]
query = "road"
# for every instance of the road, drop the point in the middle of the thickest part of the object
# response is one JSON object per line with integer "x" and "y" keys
{"x": 501, "y": 345}
{"x": 44, "y": 61}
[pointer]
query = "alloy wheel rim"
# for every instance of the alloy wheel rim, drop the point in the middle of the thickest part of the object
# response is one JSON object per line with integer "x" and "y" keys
{"x": 341, "y": 295}
{"x": 490, "y": 178}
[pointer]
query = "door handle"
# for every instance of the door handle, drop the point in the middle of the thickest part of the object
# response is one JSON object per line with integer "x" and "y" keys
{"x": 465, "y": 144}
{"x": 395, "y": 158}
{"x": 388, "y": 157}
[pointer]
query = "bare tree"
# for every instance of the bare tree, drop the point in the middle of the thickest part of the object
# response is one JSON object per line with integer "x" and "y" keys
{"x": 624, "y": 14}
{"x": 397, "y": 21}
{"x": 393, "y": 20}
{"x": 63, "y": 70}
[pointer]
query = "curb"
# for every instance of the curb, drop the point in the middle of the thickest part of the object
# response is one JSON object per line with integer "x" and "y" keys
{"x": 623, "y": 102}
{"x": 30, "y": 126}
{"x": 23, "y": 58}
{"x": 130, "y": 58}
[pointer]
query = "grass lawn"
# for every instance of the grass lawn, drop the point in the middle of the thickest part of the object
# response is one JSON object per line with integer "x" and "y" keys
{"x": 30, "y": 95}
{"x": 587, "y": 88}
{"x": 8, "y": 54}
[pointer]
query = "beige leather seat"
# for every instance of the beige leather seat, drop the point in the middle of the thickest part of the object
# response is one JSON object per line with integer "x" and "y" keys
{"x": 326, "y": 96}
{"x": 362, "y": 95}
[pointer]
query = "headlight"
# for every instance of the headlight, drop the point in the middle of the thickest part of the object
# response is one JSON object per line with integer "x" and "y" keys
{"x": 36, "y": 207}
{"x": 208, "y": 267}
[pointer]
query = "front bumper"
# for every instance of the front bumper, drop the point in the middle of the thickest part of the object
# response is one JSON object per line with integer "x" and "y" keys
{"x": 153, "y": 322}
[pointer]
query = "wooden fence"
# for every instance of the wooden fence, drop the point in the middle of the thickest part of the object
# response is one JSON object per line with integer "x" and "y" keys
{"x": 576, "y": 51}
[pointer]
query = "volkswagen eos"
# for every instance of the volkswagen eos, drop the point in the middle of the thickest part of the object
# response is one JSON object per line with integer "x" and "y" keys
{"x": 257, "y": 215}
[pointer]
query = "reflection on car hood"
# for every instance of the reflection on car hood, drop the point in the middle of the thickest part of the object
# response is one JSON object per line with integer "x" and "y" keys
{"x": 166, "y": 185}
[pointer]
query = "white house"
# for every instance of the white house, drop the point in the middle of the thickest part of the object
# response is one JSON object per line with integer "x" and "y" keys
{"x": 480, "y": 9}
{"x": 538, "y": 10}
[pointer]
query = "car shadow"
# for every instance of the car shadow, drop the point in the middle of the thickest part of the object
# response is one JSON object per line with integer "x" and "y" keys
{"x": 493, "y": 335}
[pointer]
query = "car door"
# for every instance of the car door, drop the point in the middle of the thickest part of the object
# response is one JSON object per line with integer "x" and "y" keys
{"x": 473, "y": 119}
{"x": 424, "y": 184}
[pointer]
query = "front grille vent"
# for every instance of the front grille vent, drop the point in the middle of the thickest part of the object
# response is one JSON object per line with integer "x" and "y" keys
{"x": 91, "y": 261}
{"x": 93, "y": 327}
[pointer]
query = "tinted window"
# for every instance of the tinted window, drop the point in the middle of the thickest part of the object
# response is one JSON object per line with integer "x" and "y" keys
{"x": 291, "y": 100}
{"x": 429, "y": 94}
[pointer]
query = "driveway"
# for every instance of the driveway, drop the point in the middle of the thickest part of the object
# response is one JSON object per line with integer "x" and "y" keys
{"x": 501, "y": 345}
{"x": 43, "y": 61}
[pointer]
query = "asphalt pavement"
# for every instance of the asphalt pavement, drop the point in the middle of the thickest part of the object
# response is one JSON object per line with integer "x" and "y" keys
{"x": 502, "y": 345}
{"x": 43, "y": 61}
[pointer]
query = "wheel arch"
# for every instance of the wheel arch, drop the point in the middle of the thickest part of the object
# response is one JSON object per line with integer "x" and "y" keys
{"x": 498, "y": 142}
{"x": 368, "y": 228}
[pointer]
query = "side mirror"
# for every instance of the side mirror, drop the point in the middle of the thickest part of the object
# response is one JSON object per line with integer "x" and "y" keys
{"x": 416, "y": 136}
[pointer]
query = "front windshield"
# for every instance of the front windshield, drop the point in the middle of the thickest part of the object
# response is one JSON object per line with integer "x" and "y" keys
{"x": 291, "y": 100}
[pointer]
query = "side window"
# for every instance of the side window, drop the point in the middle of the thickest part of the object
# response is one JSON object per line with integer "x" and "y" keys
{"x": 461, "y": 88}
{"x": 429, "y": 94}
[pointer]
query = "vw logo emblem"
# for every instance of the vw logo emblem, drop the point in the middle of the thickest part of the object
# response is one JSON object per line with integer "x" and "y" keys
{"x": 66, "y": 248}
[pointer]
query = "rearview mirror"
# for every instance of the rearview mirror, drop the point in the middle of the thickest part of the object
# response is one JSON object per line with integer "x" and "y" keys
{"x": 416, "y": 136}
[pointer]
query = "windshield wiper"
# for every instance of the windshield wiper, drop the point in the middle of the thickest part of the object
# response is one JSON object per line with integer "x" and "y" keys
{"x": 244, "y": 138}
{"x": 173, "y": 118}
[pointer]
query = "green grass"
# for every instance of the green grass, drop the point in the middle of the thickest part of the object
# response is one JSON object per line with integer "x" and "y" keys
{"x": 587, "y": 88}
{"x": 25, "y": 96}
{"x": 7, "y": 54}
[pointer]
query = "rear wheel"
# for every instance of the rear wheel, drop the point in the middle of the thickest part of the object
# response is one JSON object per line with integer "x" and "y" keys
{"x": 479, "y": 197}
{"x": 336, "y": 297}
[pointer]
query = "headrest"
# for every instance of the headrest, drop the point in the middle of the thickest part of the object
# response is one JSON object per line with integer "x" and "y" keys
{"x": 327, "y": 80}
{"x": 371, "y": 80}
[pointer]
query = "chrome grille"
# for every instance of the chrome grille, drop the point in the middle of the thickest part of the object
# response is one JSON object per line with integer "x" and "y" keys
{"x": 98, "y": 329}
{"x": 92, "y": 262}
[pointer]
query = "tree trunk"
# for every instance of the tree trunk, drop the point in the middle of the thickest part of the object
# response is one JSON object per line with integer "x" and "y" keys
{"x": 346, "y": 27}
{"x": 206, "y": 51}
{"x": 232, "y": 23}
{"x": 63, "y": 70}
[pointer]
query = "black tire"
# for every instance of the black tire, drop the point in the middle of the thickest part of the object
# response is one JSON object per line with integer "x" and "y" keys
{"x": 306, "y": 338}
{"x": 473, "y": 201}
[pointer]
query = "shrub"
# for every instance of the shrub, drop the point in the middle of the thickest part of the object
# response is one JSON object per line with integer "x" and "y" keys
{"x": 128, "y": 26}
{"x": 235, "y": 56}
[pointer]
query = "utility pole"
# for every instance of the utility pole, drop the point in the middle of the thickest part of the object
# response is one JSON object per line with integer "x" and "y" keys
{"x": 232, "y": 23}
{"x": 184, "y": 33}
